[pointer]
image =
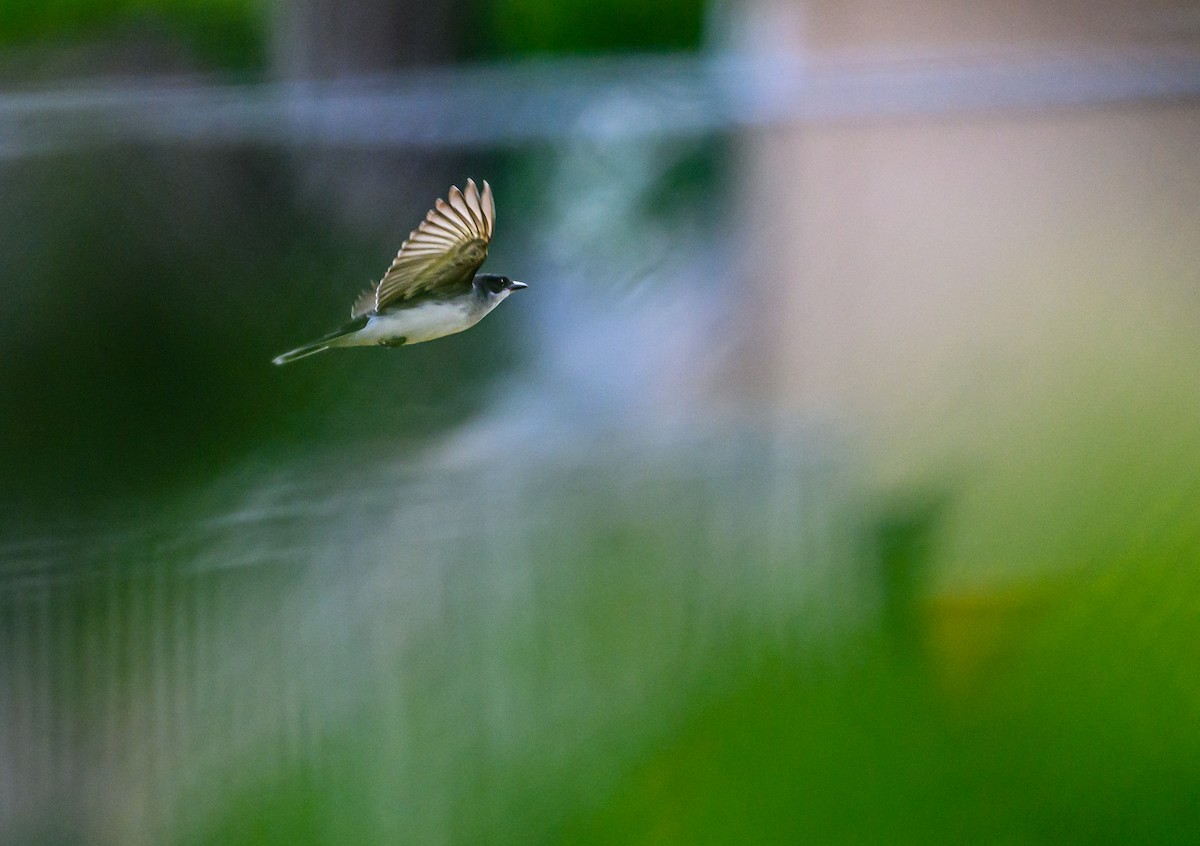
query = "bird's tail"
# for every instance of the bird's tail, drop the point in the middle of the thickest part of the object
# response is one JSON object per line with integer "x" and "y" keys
{"x": 301, "y": 352}
{"x": 323, "y": 343}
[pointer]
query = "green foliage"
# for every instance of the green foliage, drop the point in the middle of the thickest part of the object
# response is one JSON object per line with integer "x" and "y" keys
{"x": 1077, "y": 739}
{"x": 227, "y": 34}
{"x": 231, "y": 34}
{"x": 546, "y": 26}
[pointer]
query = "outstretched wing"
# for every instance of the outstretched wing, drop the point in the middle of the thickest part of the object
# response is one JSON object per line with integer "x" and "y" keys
{"x": 442, "y": 254}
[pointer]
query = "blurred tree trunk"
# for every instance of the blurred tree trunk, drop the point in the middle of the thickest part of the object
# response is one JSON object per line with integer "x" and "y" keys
{"x": 328, "y": 39}
{"x": 376, "y": 192}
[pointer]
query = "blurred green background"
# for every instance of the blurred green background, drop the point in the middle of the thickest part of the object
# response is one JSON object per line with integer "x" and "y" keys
{"x": 836, "y": 481}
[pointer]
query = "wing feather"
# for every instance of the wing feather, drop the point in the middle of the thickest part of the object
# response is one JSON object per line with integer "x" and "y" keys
{"x": 468, "y": 215}
{"x": 434, "y": 227}
{"x": 442, "y": 254}
{"x": 487, "y": 206}
{"x": 461, "y": 223}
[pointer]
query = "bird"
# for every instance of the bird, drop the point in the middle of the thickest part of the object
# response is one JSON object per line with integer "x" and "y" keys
{"x": 432, "y": 288}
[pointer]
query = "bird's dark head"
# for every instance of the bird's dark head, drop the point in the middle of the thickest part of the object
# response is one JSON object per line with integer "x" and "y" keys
{"x": 497, "y": 286}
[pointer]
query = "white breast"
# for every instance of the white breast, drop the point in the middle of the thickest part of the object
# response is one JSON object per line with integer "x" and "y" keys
{"x": 422, "y": 323}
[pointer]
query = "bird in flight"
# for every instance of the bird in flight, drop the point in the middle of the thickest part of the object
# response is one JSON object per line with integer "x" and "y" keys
{"x": 431, "y": 290}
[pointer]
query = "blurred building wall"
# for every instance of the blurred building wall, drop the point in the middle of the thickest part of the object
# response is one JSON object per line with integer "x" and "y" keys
{"x": 831, "y": 26}
{"x": 933, "y": 278}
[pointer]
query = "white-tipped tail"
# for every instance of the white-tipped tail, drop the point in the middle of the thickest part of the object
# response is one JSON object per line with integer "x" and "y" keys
{"x": 301, "y": 352}
{"x": 336, "y": 338}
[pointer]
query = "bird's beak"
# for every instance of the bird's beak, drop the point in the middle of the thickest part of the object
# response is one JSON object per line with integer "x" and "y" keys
{"x": 516, "y": 286}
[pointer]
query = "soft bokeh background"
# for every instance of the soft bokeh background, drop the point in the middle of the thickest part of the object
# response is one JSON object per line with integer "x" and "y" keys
{"x": 837, "y": 479}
